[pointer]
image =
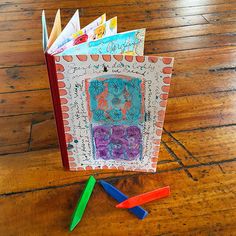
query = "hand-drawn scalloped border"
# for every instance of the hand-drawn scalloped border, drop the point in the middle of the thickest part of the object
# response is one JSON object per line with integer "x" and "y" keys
{"x": 167, "y": 70}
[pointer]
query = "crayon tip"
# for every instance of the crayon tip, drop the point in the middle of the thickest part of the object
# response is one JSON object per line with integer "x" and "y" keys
{"x": 103, "y": 183}
{"x": 120, "y": 205}
{"x": 73, "y": 225}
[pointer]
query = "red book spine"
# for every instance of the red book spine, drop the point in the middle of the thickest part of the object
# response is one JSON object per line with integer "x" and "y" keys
{"x": 52, "y": 74}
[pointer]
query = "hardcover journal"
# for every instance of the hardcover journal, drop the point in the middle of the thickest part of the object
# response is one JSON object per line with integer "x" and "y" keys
{"x": 109, "y": 100}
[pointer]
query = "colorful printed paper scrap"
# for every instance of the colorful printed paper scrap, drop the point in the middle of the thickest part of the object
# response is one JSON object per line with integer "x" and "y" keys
{"x": 72, "y": 26}
{"x": 129, "y": 43}
{"x": 106, "y": 29}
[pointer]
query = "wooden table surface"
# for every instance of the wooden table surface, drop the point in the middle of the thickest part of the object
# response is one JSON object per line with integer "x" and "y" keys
{"x": 198, "y": 149}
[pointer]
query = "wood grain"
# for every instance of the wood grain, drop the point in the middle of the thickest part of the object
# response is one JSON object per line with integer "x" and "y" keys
{"x": 200, "y": 111}
{"x": 40, "y": 169}
{"x": 205, "y": 206}
{"x": 23, "y": 78}
{"x": 101, "y": 4}
{"x": 203, "y": 146}
{"x": 220, "y": 17}
{"x": 25, "y": 102}
{"x": 16, "y": 131}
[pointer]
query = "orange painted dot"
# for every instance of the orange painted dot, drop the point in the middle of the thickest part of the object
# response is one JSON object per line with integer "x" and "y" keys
{"x": 63, "y": 100}
{"x": 165, "y": 88}
{"x": 88, "y": 167}
{"x": 155, "y": 159}
{"x": 95, "y": 57}
{"x": 167, "y": 60}
{"x": 121, "y": 168}
{"x": 152, "y": 59}
{"x": 71, "y": 159}
{"x": 73, "y": 164}
{"x": 161, "y": 113}
{"x": 129, "y": 58}
{"x": 159, "y": 132}
{"x": 61, "y": 84}
{"x": 80, "y": 168}
{"x": 82, "y": 57}
{"x": 97, "y": 168}
{"x": 65, "y": 108}
{"x": 167, "y": 80}
{"x": 59, "y": 67}
{"x": 106, "y": 57}
{"x": 164, "y": 96}
{"x": 154, "y": 165}
{"x": 157, "y": 141}
{"x": 156, "y": 148}
{"x": 68, "y": 58}
{"x": 66, "y": 128}
{"x": 57, "y": 58}
{"x": 70, "y": 153}
{"x": 60, "y": 76}
{"x": 68, "y": 138}
{"x": 159, "y": 124}
{"x": 118, "y": 57}
{"x": 65, "y": 122}
{"x": 163, "y": 103}
{"x": 140, "y": 58}
{"x": 155, "y": 154}
{"x": 161, "y": 118}
{"x": 167, "y": 70}
{"x": 65, "y": 115}
{"x": 62, "y": 92}
{"x": 73, "y": 169}
{"x": 105, "y": 167}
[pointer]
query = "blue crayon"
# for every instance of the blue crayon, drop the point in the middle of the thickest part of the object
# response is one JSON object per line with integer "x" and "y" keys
{"x": 120, "y": 197}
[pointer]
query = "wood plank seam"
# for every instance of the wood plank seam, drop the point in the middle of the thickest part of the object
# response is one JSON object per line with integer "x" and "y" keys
{"x": 172, "y": 153}
{"x": 121, "y": 5}
{"x": 203, "y": 128}
{"x": 223, "y": 69}
{"x": 202, "y": 93}
{"x": 29, "y": 90}
{"x": 181, "y": 145}
{"x": 113, "y": 179}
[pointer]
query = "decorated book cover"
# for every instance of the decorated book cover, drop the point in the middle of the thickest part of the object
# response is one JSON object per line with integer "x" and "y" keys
{"x": 109, "y": 100}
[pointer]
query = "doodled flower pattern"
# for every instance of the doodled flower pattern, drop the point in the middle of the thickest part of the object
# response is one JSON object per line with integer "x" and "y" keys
{"x": 117, "y": 142}
{"x": 133, "y": 114}
{"x": 116, "y": 86}
{"x": 120, "y": 99}
{"x": 98, "y": 115}
{"x": 96, "y": 87}
{"x": 115, "y": 114}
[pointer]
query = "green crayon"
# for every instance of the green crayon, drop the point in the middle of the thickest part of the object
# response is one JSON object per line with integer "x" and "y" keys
{"x": 82, "y": 203}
